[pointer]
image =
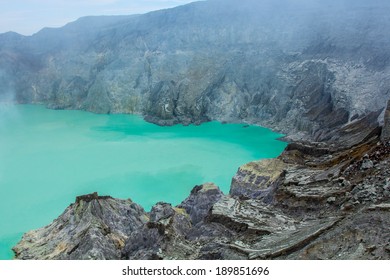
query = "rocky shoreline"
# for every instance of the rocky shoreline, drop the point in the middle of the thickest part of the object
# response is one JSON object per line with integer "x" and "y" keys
{"x": 328, "y": 200}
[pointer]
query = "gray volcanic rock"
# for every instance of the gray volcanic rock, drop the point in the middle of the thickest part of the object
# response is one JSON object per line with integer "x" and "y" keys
{"x": 285, "y": 242}
{"x": 249, "y": 216}
{"x": 163, "y": 237}
{"x": 257, "y": 179}
{"x": 304, "y": 70}
{"x": 362, "y": 236}
{"x": 94, "y": 227}
{"x": 200, "y": 201}
{"x": 355, "y": 132}
{"x": 172, "y": 231}
{"x": 386, "y": 126}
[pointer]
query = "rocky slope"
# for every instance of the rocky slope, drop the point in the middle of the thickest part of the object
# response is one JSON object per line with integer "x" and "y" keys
{"x": 92, "y": 228}
{"x": 315, "y": 201}
{"x": 301, "y": 67}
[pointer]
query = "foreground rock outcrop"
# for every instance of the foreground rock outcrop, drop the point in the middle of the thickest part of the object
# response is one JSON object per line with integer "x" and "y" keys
{"x": 94, "y": 227}
{"x": 316, "y": 201}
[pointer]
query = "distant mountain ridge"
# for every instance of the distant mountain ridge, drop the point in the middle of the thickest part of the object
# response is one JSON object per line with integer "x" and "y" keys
{"x": 304, "y": 68}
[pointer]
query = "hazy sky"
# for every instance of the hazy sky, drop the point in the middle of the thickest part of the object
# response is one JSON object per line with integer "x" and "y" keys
{"x": 29, "y": 16}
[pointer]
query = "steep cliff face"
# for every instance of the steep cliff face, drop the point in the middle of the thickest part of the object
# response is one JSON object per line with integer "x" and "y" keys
{"x": 302, "y": 68}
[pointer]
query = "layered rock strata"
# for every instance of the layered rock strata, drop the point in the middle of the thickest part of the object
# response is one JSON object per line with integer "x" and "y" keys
{"x": 94, "y": 227}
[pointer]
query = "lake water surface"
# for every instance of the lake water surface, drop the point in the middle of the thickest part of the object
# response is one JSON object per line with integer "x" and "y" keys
{"x": 47, "y": 158}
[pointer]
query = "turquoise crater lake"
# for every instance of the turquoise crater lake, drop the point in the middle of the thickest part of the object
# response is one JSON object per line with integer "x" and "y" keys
{"x": 47, "y": 158}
